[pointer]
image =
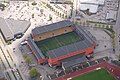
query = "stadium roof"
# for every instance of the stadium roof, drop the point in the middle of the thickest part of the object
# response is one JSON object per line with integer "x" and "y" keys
{"x": 51, "y": 27}
{"x": 38, "y": 54}
{"x": 10, "y": 27}
{"x": 72, "y": 61}
{"x": 87, "y": 42}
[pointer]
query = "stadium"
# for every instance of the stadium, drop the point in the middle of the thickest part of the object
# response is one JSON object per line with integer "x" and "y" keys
{"x": 60, "y": 42}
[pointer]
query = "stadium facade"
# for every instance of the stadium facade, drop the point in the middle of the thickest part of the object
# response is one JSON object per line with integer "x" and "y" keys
{"x": 60, "y": 42}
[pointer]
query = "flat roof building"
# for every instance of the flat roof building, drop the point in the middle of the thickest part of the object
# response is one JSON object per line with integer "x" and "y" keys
{"x": 91, "y": 5}
{"x": 111, "y": 15}
{"x": 10, "y": 28}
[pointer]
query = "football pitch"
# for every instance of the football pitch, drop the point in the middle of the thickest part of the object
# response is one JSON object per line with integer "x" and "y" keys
{"x": 58, "y": 41}
{"x": 101, "y": 74}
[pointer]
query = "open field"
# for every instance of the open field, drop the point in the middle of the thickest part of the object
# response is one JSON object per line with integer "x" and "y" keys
{"x": 101, "y": 74}
{"x": 58, "y": 41}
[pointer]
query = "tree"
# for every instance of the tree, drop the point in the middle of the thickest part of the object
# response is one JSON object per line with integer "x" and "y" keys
{"x": 34, "y": 3}
{"x": 95, "y": 24}
{"x": 28, "y": 60}
{"x": 33, "y": 72}
{"x": 32, "y": 15}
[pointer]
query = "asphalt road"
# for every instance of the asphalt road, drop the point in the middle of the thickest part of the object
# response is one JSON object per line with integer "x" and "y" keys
{"x": 9, "y": 64}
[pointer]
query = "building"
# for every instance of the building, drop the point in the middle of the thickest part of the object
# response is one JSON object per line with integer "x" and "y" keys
{"x": 91, "y": 5}
{"x": 11, "y": 29}
{"x": 111, "y": 15}
{"x": 59, "y": 41}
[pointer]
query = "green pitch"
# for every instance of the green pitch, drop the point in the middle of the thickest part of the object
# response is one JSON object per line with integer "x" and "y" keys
{"x": 58, "y": 41}
{"x": 100, "y": 74}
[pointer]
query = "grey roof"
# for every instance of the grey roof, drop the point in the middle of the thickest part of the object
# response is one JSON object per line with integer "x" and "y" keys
{"x": 51, "y": 27}
{"x": 80, "y": 45}
{"x": 38, "y": 54}
{"x": 72, "y": 61}
{"x": 10, "y": 27}
{"x": 67, "y": 49}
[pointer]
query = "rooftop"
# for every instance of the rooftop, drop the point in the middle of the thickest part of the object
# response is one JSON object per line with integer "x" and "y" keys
{"x": 38, "y": 53}
{"x": 97, "y": 2}
{"x": 51, "y": 27}
{"x": 72, "y": 61}
{"x": 92, "y": 5}
{"x": 10, "y": 27}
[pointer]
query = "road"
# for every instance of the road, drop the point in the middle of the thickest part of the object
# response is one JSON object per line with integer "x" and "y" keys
{"x": 117, "y": 30}
{"x": 9, "y": 64}
{"x": 37, "y": 19}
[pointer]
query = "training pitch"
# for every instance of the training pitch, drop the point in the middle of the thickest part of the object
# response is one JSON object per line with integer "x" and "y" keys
{"x": 101, "y": 74}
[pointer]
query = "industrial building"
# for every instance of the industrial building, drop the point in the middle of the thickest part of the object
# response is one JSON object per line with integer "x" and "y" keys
{"x": 59, "y": 42}
{"x": 11, "y": 29}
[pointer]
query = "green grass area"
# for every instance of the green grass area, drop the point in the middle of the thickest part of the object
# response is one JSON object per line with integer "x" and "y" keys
{"x": 101, "y": 74}
{"x": 58, "y": 41}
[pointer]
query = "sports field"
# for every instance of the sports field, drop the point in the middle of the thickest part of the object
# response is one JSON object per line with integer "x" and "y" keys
{"x": 58, "y": 41}
{"x": 101, "y": 74}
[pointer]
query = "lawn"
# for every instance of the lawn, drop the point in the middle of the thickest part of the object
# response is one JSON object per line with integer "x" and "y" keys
{"x": 58, "y": 41}
{"x": 101, "y": 74}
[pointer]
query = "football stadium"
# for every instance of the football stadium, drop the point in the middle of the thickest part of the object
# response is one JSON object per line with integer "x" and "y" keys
{"x": 60, "y": 42}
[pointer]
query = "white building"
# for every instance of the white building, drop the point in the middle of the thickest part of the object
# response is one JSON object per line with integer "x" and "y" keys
{"x": 111, "y": 15}
{"x": 91, "y": 5}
